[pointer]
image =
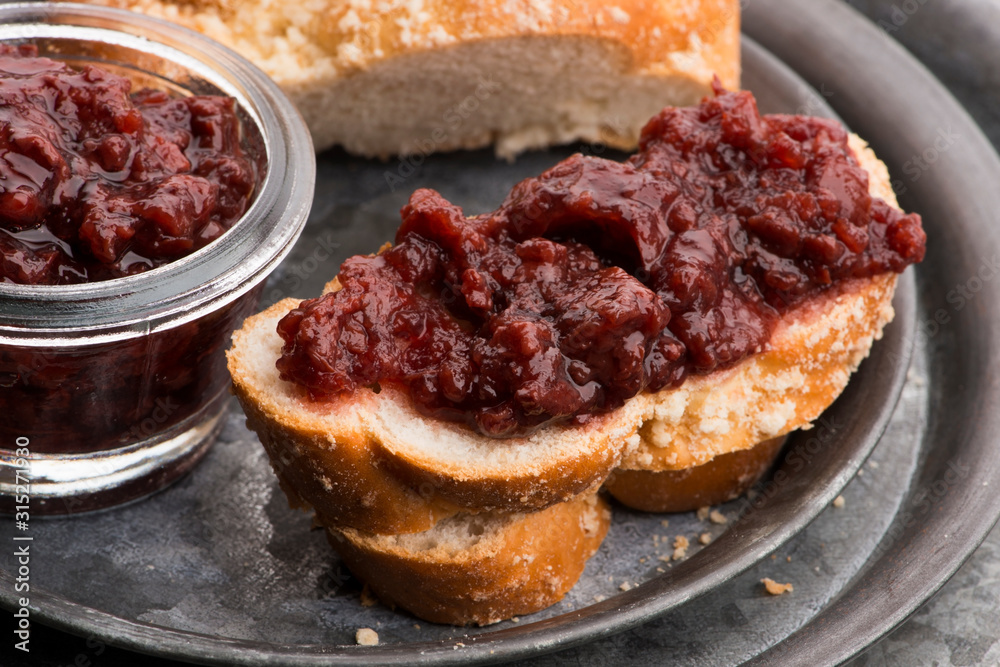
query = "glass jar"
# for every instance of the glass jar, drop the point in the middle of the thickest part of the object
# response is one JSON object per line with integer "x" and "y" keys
{"x": 111, "y": 390}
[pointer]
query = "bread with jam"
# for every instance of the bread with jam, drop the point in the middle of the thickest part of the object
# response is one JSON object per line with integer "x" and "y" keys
{"x": 693, "y": 306}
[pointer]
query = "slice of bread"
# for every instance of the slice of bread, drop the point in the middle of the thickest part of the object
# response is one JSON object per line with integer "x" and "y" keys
{"x": 372, "y": 462}
{"x": 410, "y": 78}
{"x": 480, "y": 568}
{"x": 722, "y": 479}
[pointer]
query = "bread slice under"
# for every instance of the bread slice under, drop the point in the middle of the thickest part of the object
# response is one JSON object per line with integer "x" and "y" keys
{"x": 479, "y": 568}
{"x": 721, "y": 479}
{"x": 410, "y": 78}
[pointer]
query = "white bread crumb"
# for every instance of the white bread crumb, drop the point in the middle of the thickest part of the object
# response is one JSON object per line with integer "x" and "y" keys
{"x": 681, "y": 545}
{"x": 705, "y": 538}
{"x": 774, "y": 588}
{"x": 718, "y": 517}
{"x": 839, "y": 502}
{"x": 366, "y": 637}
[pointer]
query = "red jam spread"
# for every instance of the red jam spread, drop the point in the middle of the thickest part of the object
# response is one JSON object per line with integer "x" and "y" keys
{"x": 598, "y": 279}
{"x": 97, "y": 183}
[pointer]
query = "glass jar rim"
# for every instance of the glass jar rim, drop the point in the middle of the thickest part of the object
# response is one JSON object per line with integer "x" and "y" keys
{"x": 184, "y": 289}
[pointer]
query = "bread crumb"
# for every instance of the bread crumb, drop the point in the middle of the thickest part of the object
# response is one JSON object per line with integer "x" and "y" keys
{"x": 788, "y": 559}
{"x": 660, "y": 570}
{"x": 705, "y": 538}
{"x": 642, "y": 560}
{"x": 625, "y": 586}
{"x": 861, "y": 472}
{"x": 873, "y": 465}
{"x": 599, "y": 598}
{"x": 774, "y": 588}
{"x": 703, "y": 513}
{"x": 366, "y": 637}
{"x": 718, "y": 517}
{"x": 416, "y": 626}
{"x": 839, "y": 502}
{"x": 665, "y": 559}
{"x": 665, "y": 523}
{"x": 681, "y": 545}
{"x": 515, "y": 619}
{"x": 367, "y": 599}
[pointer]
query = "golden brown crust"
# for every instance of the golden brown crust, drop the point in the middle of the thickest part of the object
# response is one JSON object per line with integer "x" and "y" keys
{"x": 525, "y": 564}
{"x": 724, "y": 478}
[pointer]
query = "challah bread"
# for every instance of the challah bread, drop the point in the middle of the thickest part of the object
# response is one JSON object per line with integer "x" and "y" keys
{"x": 485, "y": 374}
{"x": 407, "y": 78}
{"x": 479, "y": 568}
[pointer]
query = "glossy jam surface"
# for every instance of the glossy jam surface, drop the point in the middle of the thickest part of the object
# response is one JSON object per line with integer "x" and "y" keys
{"x": 598, "y": 279}
{"x": 97, "y": 182}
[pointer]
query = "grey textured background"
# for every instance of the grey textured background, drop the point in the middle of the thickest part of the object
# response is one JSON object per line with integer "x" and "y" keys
{"x": 960, "y": 41}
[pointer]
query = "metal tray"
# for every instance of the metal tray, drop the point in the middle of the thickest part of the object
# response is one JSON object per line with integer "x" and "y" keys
{"x": 217, "y": 570}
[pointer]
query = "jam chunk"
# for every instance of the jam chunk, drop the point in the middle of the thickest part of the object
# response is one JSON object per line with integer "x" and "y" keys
{"x": 598, "y": 280}
{"x": 99, "y": 183}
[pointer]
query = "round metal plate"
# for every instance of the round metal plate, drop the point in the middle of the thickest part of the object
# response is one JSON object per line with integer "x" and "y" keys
{"x": 217, "y": 570}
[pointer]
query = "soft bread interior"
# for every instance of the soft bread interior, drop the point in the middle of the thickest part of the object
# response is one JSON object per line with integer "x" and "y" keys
{"x": 514, "y": 92}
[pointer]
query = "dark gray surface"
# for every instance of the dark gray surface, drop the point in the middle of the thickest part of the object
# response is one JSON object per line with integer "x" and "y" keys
{"x": 958, "y": 626}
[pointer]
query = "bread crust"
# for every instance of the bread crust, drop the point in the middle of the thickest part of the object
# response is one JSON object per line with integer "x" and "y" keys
{"x": 360, "y": 71}
{"x": 522, "y": 563}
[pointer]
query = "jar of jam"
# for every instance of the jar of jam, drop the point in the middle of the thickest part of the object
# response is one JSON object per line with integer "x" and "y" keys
{"x": 186, "y": 178}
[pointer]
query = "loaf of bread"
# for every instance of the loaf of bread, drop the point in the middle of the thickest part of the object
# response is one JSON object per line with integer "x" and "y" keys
{"x": 410, "y": 78}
